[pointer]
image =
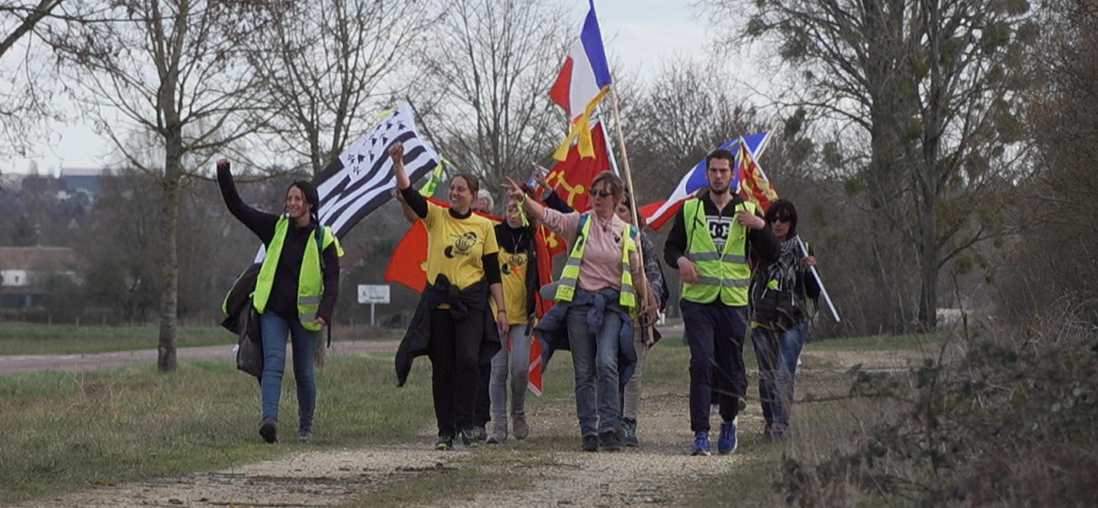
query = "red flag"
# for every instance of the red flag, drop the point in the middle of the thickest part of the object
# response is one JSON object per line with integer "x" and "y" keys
{"x": 408, "y": 263}
{"x": 753, "y": 185}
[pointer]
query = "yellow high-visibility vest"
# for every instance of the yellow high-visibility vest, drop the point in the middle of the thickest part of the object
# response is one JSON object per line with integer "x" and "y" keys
{"x": 725, "y": 274}
{"x": 566, "y": 287}
{"x": 310, "y": 282}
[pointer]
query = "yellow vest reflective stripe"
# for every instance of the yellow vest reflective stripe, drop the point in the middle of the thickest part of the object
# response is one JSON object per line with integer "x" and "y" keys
{"x": 310, "y": 282}
{"x": 566, "y": 287}
{"x": 720, "y": 274}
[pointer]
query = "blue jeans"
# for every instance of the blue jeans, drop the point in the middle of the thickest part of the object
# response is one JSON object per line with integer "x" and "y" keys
{"x": 595, "y": 360}
{"x": 777, "y": 352}
{"x": 274, "y": 330}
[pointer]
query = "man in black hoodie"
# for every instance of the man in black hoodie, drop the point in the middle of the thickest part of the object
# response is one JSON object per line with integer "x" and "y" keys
{"x": 710, "y": 239}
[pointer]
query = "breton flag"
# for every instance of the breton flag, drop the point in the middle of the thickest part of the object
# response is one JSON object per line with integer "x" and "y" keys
{"x": 583, "y": 81}
{"x": 361, "y": 179}
{"x": 656, "y": 213}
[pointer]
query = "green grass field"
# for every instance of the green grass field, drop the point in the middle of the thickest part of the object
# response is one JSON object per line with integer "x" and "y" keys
{"x": 67, "y": 339}
{"x": 62, "y": 431}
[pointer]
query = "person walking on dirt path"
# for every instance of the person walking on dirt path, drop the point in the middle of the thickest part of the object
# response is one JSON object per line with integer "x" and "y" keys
{"x": 595, "y": 297}
{"x": 631, "y": 392}
{"x": 518, "y": 269}
{"x": 295, "y": 293}
{"x": 453, "y": 316}
{"x": 780, "y": 291}
{"x": 710, "y": 239}
{"x": 483, "y": 204}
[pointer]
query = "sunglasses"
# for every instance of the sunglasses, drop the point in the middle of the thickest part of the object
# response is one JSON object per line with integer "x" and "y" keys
{"x": 782, "y": 219}
{"x": 602, "y": 193}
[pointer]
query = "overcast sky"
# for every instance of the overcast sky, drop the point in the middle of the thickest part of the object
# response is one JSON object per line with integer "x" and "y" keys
{"x": 638, "y": 34}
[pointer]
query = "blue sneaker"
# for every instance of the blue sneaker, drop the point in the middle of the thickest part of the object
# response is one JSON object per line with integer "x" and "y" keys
{"x": 701, "y": 444}
{"x": 726, "y": 442}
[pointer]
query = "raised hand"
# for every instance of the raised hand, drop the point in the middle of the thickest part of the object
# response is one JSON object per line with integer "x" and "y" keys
{"x": 223, "y": 163}
{"x": 396, "y": 152}
{"x": 513, "y": 189}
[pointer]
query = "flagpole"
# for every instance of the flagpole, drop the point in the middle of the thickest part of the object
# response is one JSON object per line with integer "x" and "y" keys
{"x": 804, "y": 251}
{"x": 633, "y": 196}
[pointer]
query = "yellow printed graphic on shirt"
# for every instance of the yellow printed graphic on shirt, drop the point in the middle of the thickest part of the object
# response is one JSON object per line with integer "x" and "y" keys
{"x": 455, "y": 246}
{"x": 512, "y": 267}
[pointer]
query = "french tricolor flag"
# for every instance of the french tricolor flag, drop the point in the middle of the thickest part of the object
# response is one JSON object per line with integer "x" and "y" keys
{"x": 585, "y": 74}
{"x": 656, "y": 213}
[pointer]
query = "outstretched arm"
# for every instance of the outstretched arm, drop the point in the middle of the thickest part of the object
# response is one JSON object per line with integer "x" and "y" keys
{"x": 262, "y": 224}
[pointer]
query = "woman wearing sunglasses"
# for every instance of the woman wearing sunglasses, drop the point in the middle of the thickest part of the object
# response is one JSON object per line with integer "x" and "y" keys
{"x": 779, "y": 295}
{"x": 595, "y": 296}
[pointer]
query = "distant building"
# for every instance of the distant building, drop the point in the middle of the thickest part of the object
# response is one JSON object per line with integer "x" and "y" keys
{"x": 25, "y": 272}
{"x": 70, "y": 183}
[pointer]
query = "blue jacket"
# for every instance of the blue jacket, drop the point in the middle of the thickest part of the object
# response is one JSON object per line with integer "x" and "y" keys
{"x": 552, "y": 329}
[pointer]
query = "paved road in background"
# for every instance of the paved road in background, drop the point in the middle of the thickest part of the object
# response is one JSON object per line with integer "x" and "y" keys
{"x": 83, "y": 362}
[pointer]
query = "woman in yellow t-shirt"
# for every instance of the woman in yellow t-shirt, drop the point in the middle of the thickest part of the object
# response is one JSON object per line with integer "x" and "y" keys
{"x": 518, "y": 269}
{"x": 453, "y": 315}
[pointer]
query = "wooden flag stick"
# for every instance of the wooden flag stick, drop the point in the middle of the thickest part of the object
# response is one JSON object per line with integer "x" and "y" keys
{"x": 643, "y": 286}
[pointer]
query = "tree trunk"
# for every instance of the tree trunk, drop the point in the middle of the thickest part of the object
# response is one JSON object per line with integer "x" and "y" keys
{"x": 166, "y": 359}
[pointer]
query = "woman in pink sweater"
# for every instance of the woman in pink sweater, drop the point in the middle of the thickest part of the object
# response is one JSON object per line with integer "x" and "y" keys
{"x": 593, "y": 312}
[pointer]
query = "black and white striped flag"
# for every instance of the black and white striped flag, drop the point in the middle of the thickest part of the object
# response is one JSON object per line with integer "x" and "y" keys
{"x": 361, "y": 179}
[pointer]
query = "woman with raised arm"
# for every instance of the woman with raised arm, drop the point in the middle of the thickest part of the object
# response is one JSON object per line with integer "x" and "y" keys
{"x": 453, "y": 314}
{"x": 595, "y": 298}
{"x": 295, "y": 293}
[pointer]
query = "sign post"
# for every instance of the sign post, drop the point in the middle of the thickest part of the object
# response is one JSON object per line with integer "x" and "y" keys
{"x": 373, "y": 294}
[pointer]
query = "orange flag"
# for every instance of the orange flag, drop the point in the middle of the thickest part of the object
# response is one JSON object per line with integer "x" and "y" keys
{"x": 408, "y": 263}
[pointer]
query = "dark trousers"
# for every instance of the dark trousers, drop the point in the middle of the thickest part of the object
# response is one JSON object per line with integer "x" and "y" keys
{"x": 484, "y": 402}
{"x": 777, "y": 352}
{"x": 715, "y": 333}
{"x": 454, "y": 350}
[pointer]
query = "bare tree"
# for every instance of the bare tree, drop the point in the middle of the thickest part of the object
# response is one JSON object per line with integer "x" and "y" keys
{"x": 29, "y": 79}
{"x": 173, "y": 69}
{"x": 328, "y": 64}
{"x": 486, "y": 84}
{"x": 923, "y": 93}
{"x": 685, "y": 112}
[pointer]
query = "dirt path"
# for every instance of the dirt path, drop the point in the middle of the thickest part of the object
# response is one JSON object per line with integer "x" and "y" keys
{"x": 561, "y": 474}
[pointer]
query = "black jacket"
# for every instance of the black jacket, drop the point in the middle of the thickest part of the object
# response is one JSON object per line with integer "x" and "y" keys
{"x": 418, "y": 336}
{"x": 242, "y": 319}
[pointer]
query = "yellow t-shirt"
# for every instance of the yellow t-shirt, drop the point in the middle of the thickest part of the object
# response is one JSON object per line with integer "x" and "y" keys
{"x": 512, "y": 268}
{"x": 455, "y": 246}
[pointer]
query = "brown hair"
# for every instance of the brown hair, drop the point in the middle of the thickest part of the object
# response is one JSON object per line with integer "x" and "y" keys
{"x": 617, "y": 189}
{"x": 627, "y": 200}
{"x": 471, "y": 181}
{"x": 720, "y": 153}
